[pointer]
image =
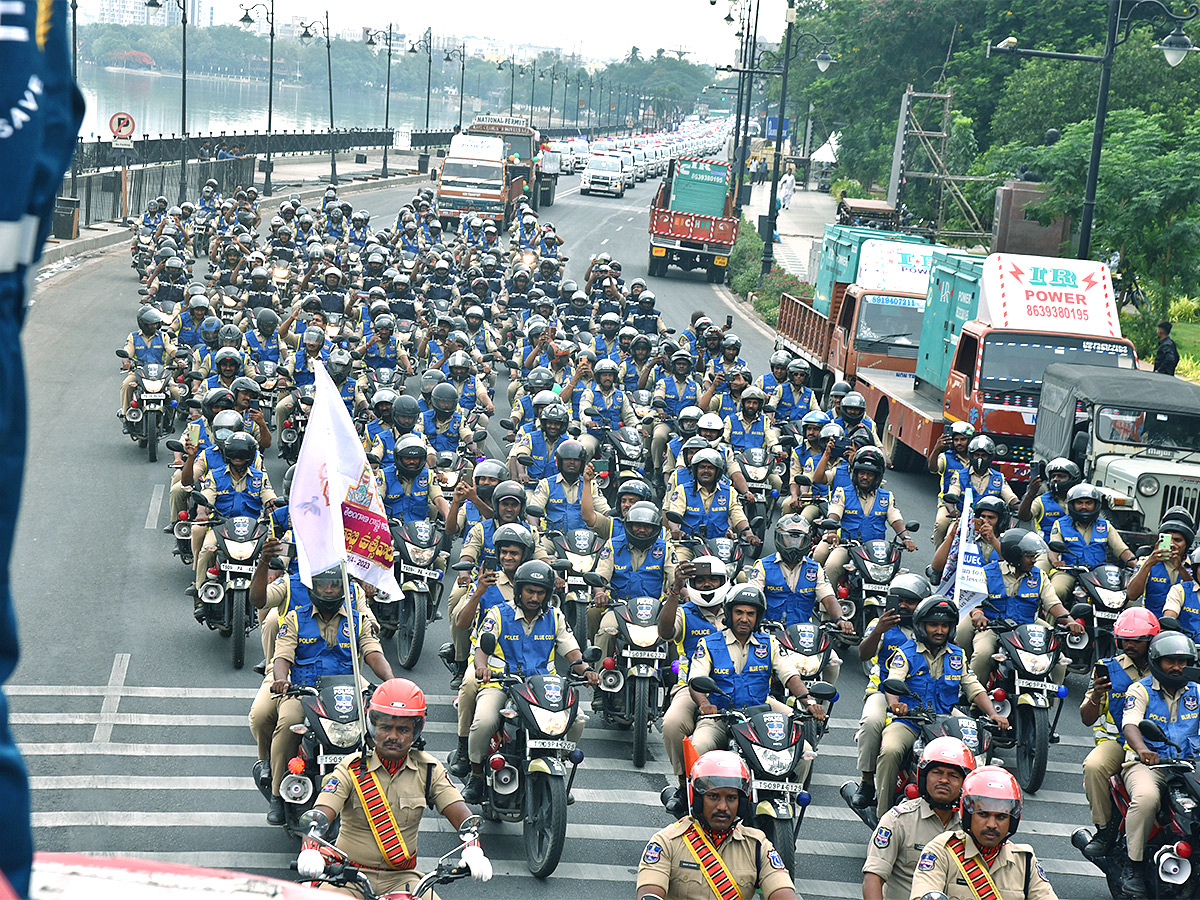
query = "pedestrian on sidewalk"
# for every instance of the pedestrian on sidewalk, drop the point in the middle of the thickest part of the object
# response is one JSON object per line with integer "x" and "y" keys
{"x": 787, "y": 186}
{"x": 1166, "y": 355}
{"x": 752, "y": 170}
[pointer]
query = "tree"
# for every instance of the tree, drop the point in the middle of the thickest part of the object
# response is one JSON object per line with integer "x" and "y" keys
{"x": 634, "y": 55}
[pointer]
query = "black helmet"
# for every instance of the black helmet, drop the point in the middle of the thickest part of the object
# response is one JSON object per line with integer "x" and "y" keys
{"x": 534, "y": 573}
{"x": 570, "y": 450}
{"x": 637, "y": 488}
{"x": 230, "y": 335}
{"x": 687, "y": 419}
{"x": 1084, "y": 492}
{"x": 556, "y": 414}
{"x": 431, "y": 379}
{"x": 1068, "y": 476}
{"x": 327, "y": 591}
{"x": 410, "y": 454}
{"x": 643, "y": 513}
{"x": 488, "y": 468}
{"x": 731, "y": 340}
{"x": 995, "y": 505}
{"x": 746, "y": 595}
{"x": 339, "y": 364}
{"x": 266, "y": 321}
{"x": 793, "y": 537}
{"x": 839, "y": 390}
{"x": 980, "y": 451}
{"x": 1017, "y": 543}
{"x": 511, "y": 490}
{"x": 868, "y": 459}
{"x": 1173, "y": 644}
{"x": 406, "y": 407}
{"x": 224, "y": 355}
{"x": 515, "y": 533}
{"x": 245, "y": 385}
{"x": 444, "y": 400}
{"x": 854, "y": 407}
{"x": 911, "y": 588}
{"x": 149, "y": 317}
{"x": 242, "y": 447}
{"x": 215, "y": 400}
{"x": 1179, "y": 527}
{"x": 935, "y": 608}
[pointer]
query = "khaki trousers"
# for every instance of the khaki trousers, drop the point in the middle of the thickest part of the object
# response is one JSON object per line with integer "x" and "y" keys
{"x": 1145, "y": 794}
{"x": 1100, "y": 765}
{"x": 897, "y": 740}
{"x": 870, "y": 731}
{"x": 488, "y": 704}
{"x": 679, "y": 721}
{"x": 271, "y": 720}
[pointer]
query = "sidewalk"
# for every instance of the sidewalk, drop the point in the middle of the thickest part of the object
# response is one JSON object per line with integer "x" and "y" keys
{"x": 799, "y": 225}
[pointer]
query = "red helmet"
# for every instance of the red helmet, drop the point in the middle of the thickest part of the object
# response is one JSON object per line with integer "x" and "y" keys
{"x": 943, "y": 751}
{"x": 719, "y": 769}
{"x": 399, "y": 697}
{"x": 991, "y": 789}
{"x": 1136, "y": 624}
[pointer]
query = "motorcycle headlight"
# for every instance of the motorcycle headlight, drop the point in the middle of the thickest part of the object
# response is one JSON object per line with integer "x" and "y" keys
{"x": 756, "y": 473}
{"x": 344, "y": 734}
{"x": 549, "y": 722}
{"x": 1111, "y": 599}
{"x": 240, "y": 551}
{"x": 422, "y": 557}
{"x": 774, "y": 762}
{"x": 643, "y": 635}
{"x": 580, "y": 563}
{"x": 808, "y": 665}
{"x": 1034, "y": 663}
{"x": 879, "y": 574}
{"x": 152, "y": 387}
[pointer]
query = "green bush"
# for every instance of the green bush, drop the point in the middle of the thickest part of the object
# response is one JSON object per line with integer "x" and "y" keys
{"x": 745, "y": 262}
{"x": 851, "y": 186}
{"x": 1185, "y": 309}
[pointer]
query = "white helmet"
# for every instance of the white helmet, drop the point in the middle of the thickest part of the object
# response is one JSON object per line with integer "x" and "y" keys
{"x": 709, "y": 599}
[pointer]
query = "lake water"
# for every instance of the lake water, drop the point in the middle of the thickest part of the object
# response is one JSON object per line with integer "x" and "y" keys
{"x": 216, "y": 105}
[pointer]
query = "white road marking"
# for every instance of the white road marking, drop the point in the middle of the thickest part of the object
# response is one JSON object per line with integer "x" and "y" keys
{"x": 108, "y": 708}
{"x": 630, "y": 219}
{"x": 726, "y": 296}
{"x": 155, "y": 507}
{"x": 603, "y": 242}
{"x": 619, "y": 227}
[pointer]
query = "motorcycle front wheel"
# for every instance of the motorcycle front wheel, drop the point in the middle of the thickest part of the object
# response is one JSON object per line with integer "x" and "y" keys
{"x": 410, "y": 629}
{"x": 779, "y": 832}
{"x": 150, "y": 424}
{"x": 545, "y": 822}
{"x": 1033, "y": 743}
{"x": 237, "y": 609}
{"x": 641, "y": 720}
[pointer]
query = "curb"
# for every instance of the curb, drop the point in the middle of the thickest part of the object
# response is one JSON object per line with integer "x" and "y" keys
{"x": 116, "y": 234}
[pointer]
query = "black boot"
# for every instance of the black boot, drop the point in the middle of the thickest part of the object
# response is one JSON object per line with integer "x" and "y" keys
{"x": 460, "y": 763}
{"x": 1102, "y": 840}
{"x": 275, "y": 811}
{"x": 677, "y": 805}
{"x": 460, "y": 672}
{"x": 864, "y": 794}
{"x": 1132, "y": 883}
{"x": 474, "y": 791}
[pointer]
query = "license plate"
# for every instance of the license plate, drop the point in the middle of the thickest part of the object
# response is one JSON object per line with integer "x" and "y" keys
{"x": 872, "y": 586}
{"x": 534, "y": 744}
{"x": 233, "y": 567}
{"x": 419, "y": 572}
{"x": 644, "y": 654}
{"x": 154, "y": 396}
{"x": 331, "y": 759}
{"x": 784, "y": 787}
{"x": 576, "y": 581}
{"x": 1039, "y": 686}
{"x": 1104, "y": 614}
{"x": 721, "y": 261}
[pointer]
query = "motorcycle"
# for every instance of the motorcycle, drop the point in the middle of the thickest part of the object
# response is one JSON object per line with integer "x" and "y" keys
{"x": 809, "y": 646}
{"x": 772, "y": 744}
{"x": 150, "y": 415}
{"x": 291, "y": 435}
{"x": 331, "y": 731}
{"x": 635, "y": 680}
{"x": 339, "y": 871}
{"x": 202, "y": 234}
{"x": 734, "y": 552}
{"x": 270, "y": 379}
{"x": 527, "y": 780}
{"x": 862, "y": 589}
{"x": 1022, "y": 685}
{"x": 578, "y": 552}
{"x": 757, "y": 467}
{"x": 228, "y": 304}
{"x": 1100, "y": 595}
{"x": 977, "y": 733}
{"x": 621, "y": 454}
{"x": 1167, "y": 867}
{"x": 382, "y": 378}
{"x": 225, "y": 596}
{"x": 416, "y": 545}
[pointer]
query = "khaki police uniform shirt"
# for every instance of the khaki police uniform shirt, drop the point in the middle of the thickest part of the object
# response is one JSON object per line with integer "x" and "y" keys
{"x": 979, "y": 484}
{"x": 1136, "y": 701}
{"x": 1102, "y": 702}
{"x": 505, "y": 586}
{"x": 898, "y": 842}
{"x": 770, "y": 435}
{"x": 564, "y": 640}
{"x": 637, "y": 558}
{"x": 781, "y": 666}
{"x": 239, "y": 485}
{"x": 897, "y": 667}
{"x": 1115, "y": 543}
{"x": 668, "y": 864}
{"x": 937, "y": 870}
{"x": 405, "y": 793}
{"x": 472, "y": 548}
{"x": 169, "y": 346}
{"x": 435, "y": 488}
{"x": 737, "y": 516}
{"x": 289, "y": 635}
{"x": 791, "y": 575}
{"x": 541, "y": 494}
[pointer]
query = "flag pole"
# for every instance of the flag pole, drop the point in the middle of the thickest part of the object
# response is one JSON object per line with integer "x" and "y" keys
{"x": 348, "y": 601}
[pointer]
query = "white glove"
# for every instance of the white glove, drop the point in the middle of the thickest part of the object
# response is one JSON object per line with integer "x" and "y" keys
{"x": 310, "y": 863}
{"x": 473, "y": 859}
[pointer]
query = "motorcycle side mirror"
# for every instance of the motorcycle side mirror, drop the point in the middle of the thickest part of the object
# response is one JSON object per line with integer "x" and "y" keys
{"x": 769, "y": 409}
{"x": 175, "y": 446}
{"x": 487, "y": 643}
{"x": 354, "y": 354}
{"x": 913, "y": 525}
{"x": 446, "y": 460}
{"x": 950, "y": 499}
{"x": 756, "y": 522}
{"x": 463, "y": 565}
{"x": 1152, "y": 731}
{"x": 535, "y": 512}
{"x": 560, "y": 565}
{"x": 592, "y": 655}
{"x": 802, "y": 480}
{"x": 592, "y": 411}
{"x": 260, "y": 379}
{"x": 306, "y": 401}
{"x": 507, "y": 425}
{"x": 703, "y": 683}
{"x": 670, "y": 331}
{"x": 526, "y": 460}
{"x": 314, "y": 822}
{"x": 198, "y": 498}
{"x": 488, "y": 357}
{"x": 675, "y": 518}
{"x": 278, "y": 564}
{"x": 896, "y": 687}
{"x": 574, "y": 429}
{"x": 1083, "y": 610}
{"x": 658, "y": 403}
{"x": 123, "y": 353}
{"x": 280, "y": 504}
{"x": 479, "y": 436}
{"x": 194, "y": 375}
{"x": 829, "y": 524}
{"x": 1145, "y": 550}
{"x": 1166, "y": 623}
{"x": 823, "y": 691}
{"x": 145, "y": 292}
{"x": 468, "y": 827}
{"x": 1058, "y": 546}
{"x": 594, "y": 579}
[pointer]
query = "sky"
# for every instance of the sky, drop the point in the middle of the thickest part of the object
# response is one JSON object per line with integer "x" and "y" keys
{"x": 605, "y": 29}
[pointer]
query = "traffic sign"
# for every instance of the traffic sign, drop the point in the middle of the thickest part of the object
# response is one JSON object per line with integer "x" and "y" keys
{"x": 122, "y": 143}
{"x": 121, "y": 125}
{"x": 773, "y": 125}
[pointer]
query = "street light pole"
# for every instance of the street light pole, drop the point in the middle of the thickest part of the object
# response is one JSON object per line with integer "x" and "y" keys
{"x": 461, "y": 53}
{"x": 306, "y": 36}
{"x": 1119, "y": 21}
{"x": 269, "y": 13}
{"x": 387, "y": 92}
{"x": 550, "y": 107}
{"x": 183, "y": 147}
{"x": 425, "y": 45}
{"x": 534, "y": 75}
{"x": 589, "y": 109}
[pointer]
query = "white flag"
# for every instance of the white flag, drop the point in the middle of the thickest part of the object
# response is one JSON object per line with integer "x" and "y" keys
{"x": 336, "y": 510}
{"x": 970, "y": 587}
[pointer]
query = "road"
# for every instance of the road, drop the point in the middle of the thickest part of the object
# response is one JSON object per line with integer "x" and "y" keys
{"x": 134, "y": 725}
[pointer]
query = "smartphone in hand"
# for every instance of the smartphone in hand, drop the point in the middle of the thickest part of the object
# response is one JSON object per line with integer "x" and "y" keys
{"x": 729, "y": 321}
{"x": 1100, "y": 672}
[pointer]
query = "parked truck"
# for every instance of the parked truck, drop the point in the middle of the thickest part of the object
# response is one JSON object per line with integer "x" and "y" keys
{"x": 990, "y": 328}
{"x": 522, "y": 145}
{"x": 692, "y": 223}
{"x": 873, "y": 322}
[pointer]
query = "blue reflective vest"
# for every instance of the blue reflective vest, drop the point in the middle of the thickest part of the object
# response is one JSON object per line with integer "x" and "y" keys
{"x": 315, "y": 658}
{"x": 675, "y": 399}
{"x": 808, "y": 460}
{"x": 527, "y": 654}
{"x": 792, "y": 406}
{"x": 189, "y": 332}
{"x": 748, "y": 687}
{"x": 491, "y": 597}
{"x": 787, "y": 605}
{"x": 1116, "y": 694}
{"x": 1184, "y": 729}
{"x": 1085, "y": 553}
{"x": 377, "y": 431}
{"x": 646, "y": 581}
{"x": 543, "y": 455}
{"x": 302, "y": 375}
{"x": 994, "y": 486}
{"x": 1158, "y": 584}
{"x": 383, "y": 355}
{"x": 953, "y": 465}
{"x": 610, "y": 408}
{"x": 442, "y": 442}
{"x": 695, "y": 629}
{"x": 743, "y": 438}
{"x": 1022, "y": 607}
{"x": 260, "y": 349}
{"x": 232, "y": 502}
{"x": 716, "y": 517}
{"x": 939, "y": 691}
{"x": 488, "y": 528}
{"x": 406, "y": 504}
{"x": 1052, "y": 511}
{"x": 466, "y": 392}
{"x": 563, "y": 514}
{"x": 866, "y": 526}
{"x": 151, "y": 351}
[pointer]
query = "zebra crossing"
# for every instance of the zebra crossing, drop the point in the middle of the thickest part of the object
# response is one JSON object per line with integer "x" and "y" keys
{"x": 155, "y": 771}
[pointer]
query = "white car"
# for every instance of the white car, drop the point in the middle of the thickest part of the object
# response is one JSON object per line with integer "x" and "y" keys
{"x": 603, "y": 174}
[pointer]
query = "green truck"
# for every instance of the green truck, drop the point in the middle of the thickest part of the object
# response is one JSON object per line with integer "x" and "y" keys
{"x": 691, "y": 219}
